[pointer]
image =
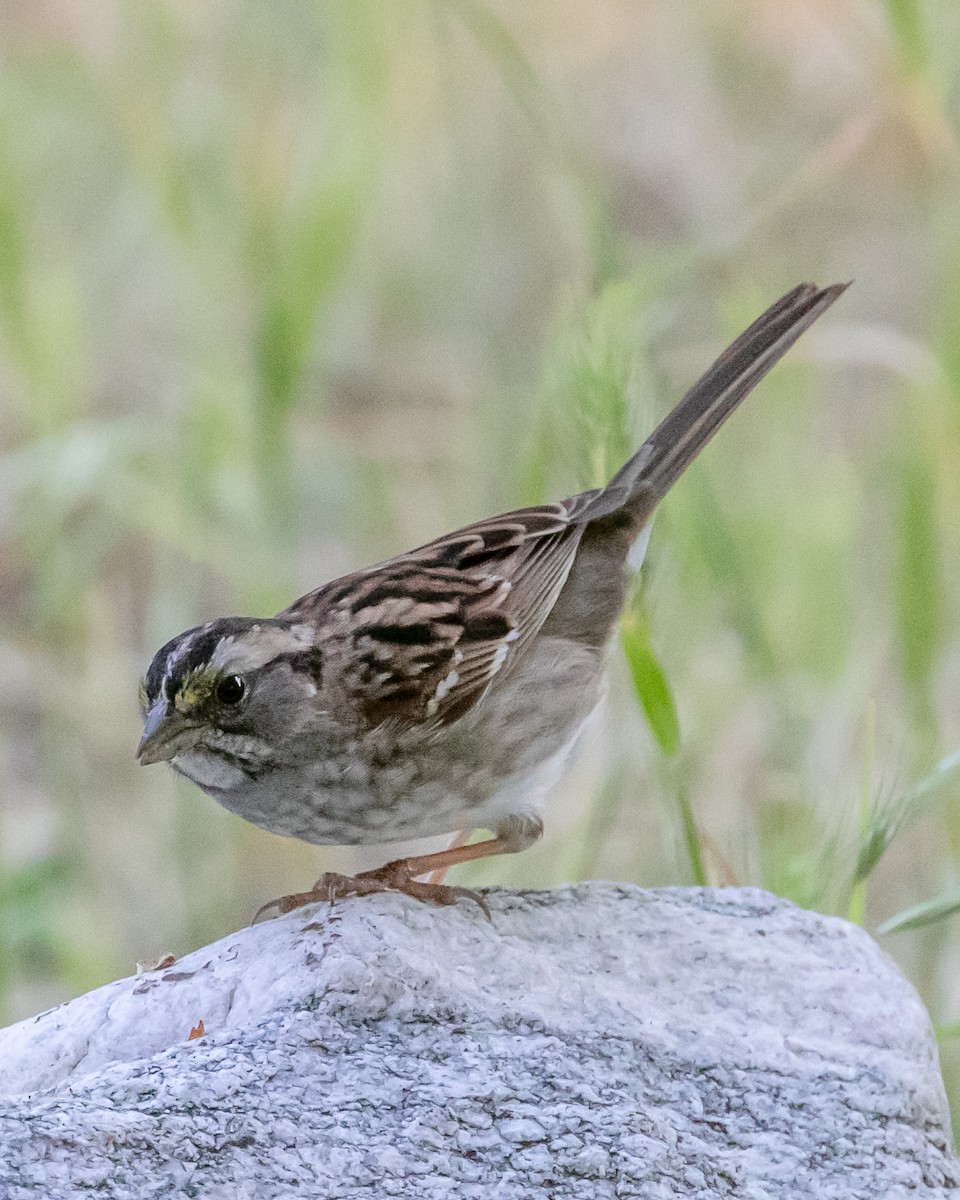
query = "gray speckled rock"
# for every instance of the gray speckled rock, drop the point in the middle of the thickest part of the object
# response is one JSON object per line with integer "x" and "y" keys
{"x": 597, "y": 1041}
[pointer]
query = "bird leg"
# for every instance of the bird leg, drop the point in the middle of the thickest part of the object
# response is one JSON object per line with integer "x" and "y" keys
{"x": 459, "y": 839}
{"x": 402, "y": 874}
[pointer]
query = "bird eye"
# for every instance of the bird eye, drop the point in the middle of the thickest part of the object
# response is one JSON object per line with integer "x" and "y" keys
{"x": 231, "y": 689}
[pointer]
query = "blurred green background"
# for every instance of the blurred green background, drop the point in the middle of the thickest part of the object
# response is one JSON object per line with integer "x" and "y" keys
{"x": 288, "y": 288}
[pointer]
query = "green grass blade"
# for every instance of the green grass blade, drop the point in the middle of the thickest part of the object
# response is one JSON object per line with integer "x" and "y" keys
{"x": 868, "y": 842}
{"x": 922, "y": 914}
{"x": 917, "y": 586}
{"x": 650, "y": 682}
{"x": 889, "y": 814}
{"x": 910, "y": 36}
{"x": 691, "y": 837}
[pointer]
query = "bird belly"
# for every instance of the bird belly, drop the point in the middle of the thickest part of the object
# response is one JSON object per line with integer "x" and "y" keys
{"x": 350, "y": 811}
{"x": 411, "y": 805}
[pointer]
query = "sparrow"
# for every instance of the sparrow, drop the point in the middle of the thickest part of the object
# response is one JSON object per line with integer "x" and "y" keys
{"x": 441, "y": 691}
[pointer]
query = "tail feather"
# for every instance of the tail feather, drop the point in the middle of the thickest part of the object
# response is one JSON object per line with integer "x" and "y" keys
{"x": 681, "y": 435}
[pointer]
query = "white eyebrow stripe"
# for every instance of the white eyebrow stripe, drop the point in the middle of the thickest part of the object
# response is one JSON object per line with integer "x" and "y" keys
{"x": 258, "y": 646}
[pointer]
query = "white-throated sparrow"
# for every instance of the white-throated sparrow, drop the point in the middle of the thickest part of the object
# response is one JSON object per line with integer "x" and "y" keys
{"x": 443, "y": 690}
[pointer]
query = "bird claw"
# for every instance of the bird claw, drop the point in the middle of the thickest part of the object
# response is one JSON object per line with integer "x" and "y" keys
{"x": 393, "y": 877}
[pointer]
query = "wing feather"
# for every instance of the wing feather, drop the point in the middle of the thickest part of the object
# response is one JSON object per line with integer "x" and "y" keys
{"x": 422, "y": 635}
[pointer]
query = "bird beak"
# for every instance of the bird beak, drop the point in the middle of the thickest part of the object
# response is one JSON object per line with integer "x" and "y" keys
{"x": 162, "y": 734}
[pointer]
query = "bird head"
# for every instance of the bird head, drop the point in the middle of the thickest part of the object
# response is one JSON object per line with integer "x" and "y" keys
{"x": 228, "y": 689}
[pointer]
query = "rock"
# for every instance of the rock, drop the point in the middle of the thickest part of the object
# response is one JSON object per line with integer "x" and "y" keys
{"x": 593, "y": 1041}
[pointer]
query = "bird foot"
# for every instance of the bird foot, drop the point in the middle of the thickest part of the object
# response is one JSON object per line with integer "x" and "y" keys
{"x": 393, "y": 877}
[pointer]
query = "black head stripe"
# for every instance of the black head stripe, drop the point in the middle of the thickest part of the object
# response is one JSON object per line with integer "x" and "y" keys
{"x": 153, "y": 680}
{"x": 204, "y": 641}
{"x": 194, "y": 648}
{"x": 308, "y": 662}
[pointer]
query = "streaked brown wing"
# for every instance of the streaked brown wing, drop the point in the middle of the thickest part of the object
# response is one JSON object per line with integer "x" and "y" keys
{"x": 423, "y": 635}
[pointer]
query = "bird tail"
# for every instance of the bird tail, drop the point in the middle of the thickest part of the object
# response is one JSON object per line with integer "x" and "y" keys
{"x": 681, "y": 435}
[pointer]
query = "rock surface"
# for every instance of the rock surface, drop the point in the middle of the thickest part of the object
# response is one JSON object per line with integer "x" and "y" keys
{"x": 594, "y": 1041}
